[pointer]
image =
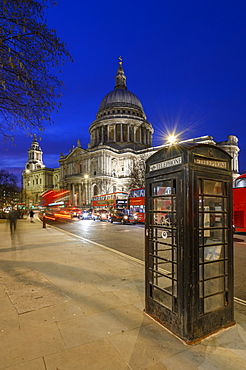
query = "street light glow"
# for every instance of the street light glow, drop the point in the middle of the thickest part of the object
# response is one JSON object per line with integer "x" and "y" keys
{"x": 172, "y": 139}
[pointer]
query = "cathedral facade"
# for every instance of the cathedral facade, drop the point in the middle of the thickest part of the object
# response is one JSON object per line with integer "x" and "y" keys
{"x": 119, "y": 137}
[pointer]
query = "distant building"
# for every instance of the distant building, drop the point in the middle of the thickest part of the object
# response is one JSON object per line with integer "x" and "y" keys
{"x": 36, "y": 178}
{"x": 119, "y": 137}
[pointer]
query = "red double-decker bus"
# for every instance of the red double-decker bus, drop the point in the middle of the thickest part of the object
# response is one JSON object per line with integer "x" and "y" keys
{"x": 136, "y": 203}
{"x": 54, "y": 196}
{"x": 117, "y": 200}
{"x": 239, "y": 203}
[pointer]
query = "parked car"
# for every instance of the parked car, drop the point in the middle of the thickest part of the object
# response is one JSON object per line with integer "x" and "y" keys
{"x": 123, "y": 217}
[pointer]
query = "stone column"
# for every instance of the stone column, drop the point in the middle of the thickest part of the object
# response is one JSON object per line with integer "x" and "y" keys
{"x": 114, "y": 132}
{"x": 72, "y": 194}
{"x": 79, "y": 200}
{"x": 134, "y": 134}
{"x": 102, "y": 134}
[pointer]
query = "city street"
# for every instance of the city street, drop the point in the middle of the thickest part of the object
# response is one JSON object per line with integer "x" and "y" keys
{"x": 129, "y": 239}
{"x": 65, "y": 298}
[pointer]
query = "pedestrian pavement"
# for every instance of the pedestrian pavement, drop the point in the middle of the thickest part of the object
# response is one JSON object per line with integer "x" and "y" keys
{"x": 70, "y": 304}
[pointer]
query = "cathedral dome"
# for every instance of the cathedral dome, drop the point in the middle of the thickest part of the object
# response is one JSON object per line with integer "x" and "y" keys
{"x": 120, "y": 98}
{"x": 120, "y": 121}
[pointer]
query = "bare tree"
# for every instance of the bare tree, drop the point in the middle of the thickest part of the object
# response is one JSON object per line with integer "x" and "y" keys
{"x": 137, "y": 174}
{"x": 9, "y": 191}
{"x": 28, "y": 50}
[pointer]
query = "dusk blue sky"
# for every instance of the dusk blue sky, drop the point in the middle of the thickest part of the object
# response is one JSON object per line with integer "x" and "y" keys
{"x": 184, "y": 60}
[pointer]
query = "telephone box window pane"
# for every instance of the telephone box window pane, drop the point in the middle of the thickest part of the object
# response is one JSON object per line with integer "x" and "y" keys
{"x": 213, "y": 286}
{"x": 162, "y": 219}
{"x": 162, "y": 297}
{"x": 213, "y": 187}
{"x": 165, "y": 253}
{"x": 213, "y": 236}
{"x": 210, "y": 220}
{"x": 213, "y": 203}
{"x": 162, "y": 268}
{"x": 213, "y": 303}
{"x": 213, "y": 269}
{"x": 162, "y": 282}
{"x": 162, "y": 188}
{"x": 162, "y": 263}
{"x": 162, "y": 204}
{"x": 213, "y": 253}
{"x": 163, "y": 235}
{"x": 159, "y": 247}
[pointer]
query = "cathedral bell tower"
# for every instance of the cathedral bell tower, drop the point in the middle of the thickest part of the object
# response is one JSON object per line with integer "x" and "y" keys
{"x": 35, "y": 161}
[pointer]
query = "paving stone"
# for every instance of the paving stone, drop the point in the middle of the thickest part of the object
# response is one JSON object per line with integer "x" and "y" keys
{"x": 99, "y": 355}
{"x": 146, "y": 346}
{"x": 28, "y": 290}
{"x": 90, "y": 328}
{"x": 25, "y": 345}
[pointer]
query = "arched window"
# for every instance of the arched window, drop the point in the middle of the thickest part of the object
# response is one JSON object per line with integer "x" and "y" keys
{"x": 95, "y": 190}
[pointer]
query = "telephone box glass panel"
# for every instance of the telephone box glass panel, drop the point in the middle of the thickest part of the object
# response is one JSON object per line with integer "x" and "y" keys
{"x": 163, "y": 243}
{"x": 213, "y": 245}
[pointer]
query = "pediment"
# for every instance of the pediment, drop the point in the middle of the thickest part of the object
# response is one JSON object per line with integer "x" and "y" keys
{"x": 76, "y": 152}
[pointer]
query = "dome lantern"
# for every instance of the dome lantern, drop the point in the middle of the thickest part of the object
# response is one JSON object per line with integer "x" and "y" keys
{"x": 120, "y": 77}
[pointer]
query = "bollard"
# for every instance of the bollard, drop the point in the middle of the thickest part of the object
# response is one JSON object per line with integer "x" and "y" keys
{"x": 44, "y": 221}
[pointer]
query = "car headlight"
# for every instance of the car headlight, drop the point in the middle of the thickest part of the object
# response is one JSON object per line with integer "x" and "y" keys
{"x": 125, "y": 217}
{"x": 135, "y": 217}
